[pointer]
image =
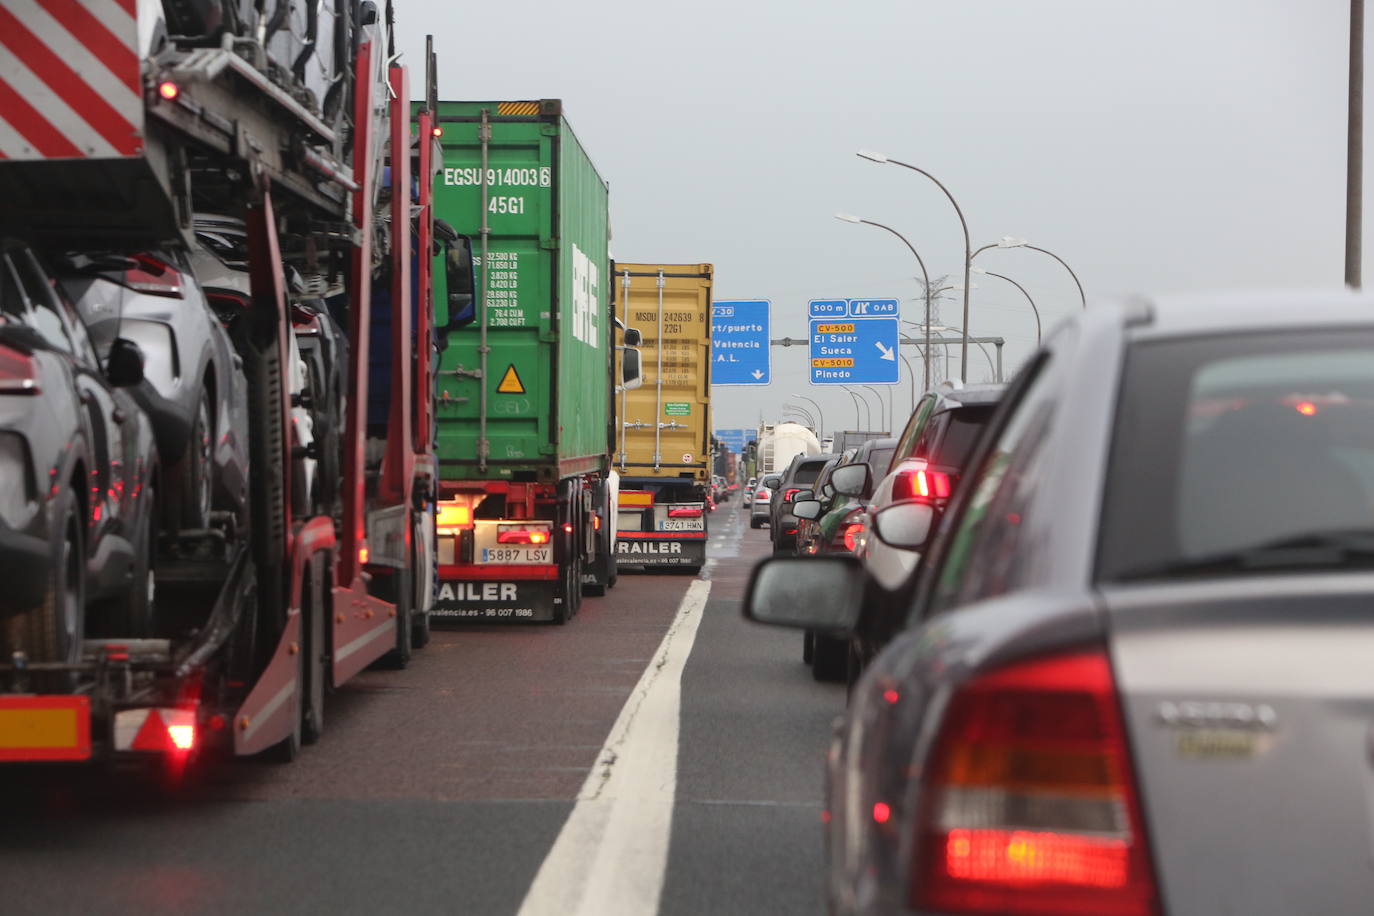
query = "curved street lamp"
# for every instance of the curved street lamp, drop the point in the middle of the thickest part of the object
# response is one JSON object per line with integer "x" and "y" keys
{"x": 968, "y": 246}
{"x": 1023, "y": 292}
{"x": 806, "y": 415}
{"x": 857, "y": 401}
{"x": 1008, "y": 241}
{"x": 820, "y": 414}
{"x": 925, "y": 277}
{"x": 882, "y": 418}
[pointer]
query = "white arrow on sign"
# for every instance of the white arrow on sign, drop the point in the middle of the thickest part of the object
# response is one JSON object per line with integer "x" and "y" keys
{"x": 758, "y": 373}
{"x": 886, "y": 351}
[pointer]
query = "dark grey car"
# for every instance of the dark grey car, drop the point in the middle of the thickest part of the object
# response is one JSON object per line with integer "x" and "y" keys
{"x": 797, "y": 478}
{"x": 1136, "y": 676}
{"x": 192, "y": 390}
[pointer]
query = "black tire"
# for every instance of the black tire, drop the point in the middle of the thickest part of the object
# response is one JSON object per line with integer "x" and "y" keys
{"x": 830, "y": 659}
{"x": 397, "y": 589}
{"x": 194, "y": 485}
{"x": 262, "y": 371}
{"x": 563, "y": 611}
{"x": 315, "y": 605}
{"x": 52, "y": 630}
{"x": 133, "y": 614}
{"x": 808, "y": 647}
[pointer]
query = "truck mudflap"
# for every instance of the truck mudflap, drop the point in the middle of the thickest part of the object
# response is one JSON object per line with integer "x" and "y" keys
{"x": 660, "y": 548}
{"x": 495, "y": 593}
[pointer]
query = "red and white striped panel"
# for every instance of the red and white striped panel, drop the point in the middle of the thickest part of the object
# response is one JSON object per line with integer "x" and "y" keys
{"x": 69, "y": 79}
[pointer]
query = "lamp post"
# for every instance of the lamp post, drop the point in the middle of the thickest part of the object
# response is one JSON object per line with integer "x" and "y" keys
{"x": 925, "y": 277}
{"x": 1008, "y": 241}
{"x": 882, "y": 417}
{"x": 968, "y": 246}
{"x": 799, "y": 414}
{"x": 857, "y": 401}
{"x": 912, "y": 375}
{"x": 820, "y": 430}
{"x": 1023, "y": 292}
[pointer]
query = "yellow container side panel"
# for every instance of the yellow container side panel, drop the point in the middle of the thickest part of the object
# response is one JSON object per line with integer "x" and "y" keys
{"x": 676, "y": 352}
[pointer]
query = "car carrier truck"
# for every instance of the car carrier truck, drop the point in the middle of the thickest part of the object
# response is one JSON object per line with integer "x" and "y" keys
{"x": 664, "y": 450}
{"x": 296, "y": 128}
{"x": 525, "y": 393}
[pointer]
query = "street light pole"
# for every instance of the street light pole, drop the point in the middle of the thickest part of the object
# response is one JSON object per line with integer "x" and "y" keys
{"x": 1354, "y": 149}
{"x": 802, "y": 414}
{"x": 859, "y": 399}
{"x": 855, "y": 399}
{"x": 925, "y": 277}
{"x": 1008, "y": 241}
{"x": 882, "y": 417}
{"x": 968, "y": 246}
{"x": 1023, "y": 292}
{"x": 820, "y": 431}
{"x": 912, "y": 375}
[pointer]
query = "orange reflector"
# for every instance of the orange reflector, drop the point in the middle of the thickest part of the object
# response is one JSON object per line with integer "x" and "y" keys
{"x": 596, "y": 522}
{"x": 168, "y": 90}
{"x": 362, "y": 554}
{"x": 636, "y": 499}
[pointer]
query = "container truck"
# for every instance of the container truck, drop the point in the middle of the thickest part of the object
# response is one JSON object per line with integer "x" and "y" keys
{"x": 664, "y": 452}
{"x": 295, "y": 134}
{"x": 525, "y": 416}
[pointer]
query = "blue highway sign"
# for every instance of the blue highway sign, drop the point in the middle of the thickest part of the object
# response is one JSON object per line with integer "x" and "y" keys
{"x": 735, "y": 439}
{"x": 857, "y": 348}
{"x": 739, "y": 342}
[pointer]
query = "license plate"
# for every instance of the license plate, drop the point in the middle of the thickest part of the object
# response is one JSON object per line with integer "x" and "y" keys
{"x": 45, "y": 728}
{"x": 535, "y": 555}
{"x": 681, "y": 524}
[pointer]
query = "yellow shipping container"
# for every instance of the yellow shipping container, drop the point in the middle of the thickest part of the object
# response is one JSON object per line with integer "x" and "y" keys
{"x": 666, "y": 423}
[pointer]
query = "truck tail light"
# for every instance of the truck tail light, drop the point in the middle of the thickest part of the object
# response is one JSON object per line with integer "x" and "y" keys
{"x": 1030, "y": 803}
{"x": 523, "y": 534}
{"x": 18, "y": 372}
{"x": 453, "y": 516}
{"x": 922, "y": 484}
{"x": 685, "y": 512}
{"x": 154, "y": 277}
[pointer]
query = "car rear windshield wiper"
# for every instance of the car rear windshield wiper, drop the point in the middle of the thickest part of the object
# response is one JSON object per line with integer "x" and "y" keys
{"x": 1312, "y": 550}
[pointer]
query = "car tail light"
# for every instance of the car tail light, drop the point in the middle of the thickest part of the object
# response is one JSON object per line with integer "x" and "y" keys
{"x": 153, "y": 276}
{"x": 851, "y": 536}
{"x": 1030, "y": 803}
{"x": 761, "y": 494}
{"x": 790, "y": 492}
{"x": 18, "y": 372}
{"x": 922, "y": 484}
{"x": 523, "y": 534}
{"x": 685, "y": 512}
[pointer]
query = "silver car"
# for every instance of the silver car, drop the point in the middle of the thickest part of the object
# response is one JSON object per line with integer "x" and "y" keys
{"x": 1136, "y": 676}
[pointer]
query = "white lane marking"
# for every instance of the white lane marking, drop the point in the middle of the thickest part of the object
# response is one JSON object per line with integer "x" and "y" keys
{"x": 611, "y": 856}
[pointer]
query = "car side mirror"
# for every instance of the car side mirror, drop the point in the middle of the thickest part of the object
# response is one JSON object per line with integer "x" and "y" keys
{"x": 851, "y": 479}
{"x": 906, "y": 525}
{"x": 631, "y": 374}
{"x": 633, "y": 338}
{"x": 772, "y": 482}
{"x": 806, "y": 593}
{"x": 807, "y": 508}
{"x": 124, "y": 364}
{"x": 803, "y": 494}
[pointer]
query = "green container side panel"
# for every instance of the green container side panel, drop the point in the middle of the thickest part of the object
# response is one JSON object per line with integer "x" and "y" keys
{"x": 546, "y": 209}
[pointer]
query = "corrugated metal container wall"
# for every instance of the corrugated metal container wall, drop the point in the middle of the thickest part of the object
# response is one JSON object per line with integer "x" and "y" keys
{"x": 545, "y": 296}
{"x": 682, "y": 402}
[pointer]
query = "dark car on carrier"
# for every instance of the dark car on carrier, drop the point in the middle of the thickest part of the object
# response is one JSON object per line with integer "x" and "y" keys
{"x": 78, "y": 475}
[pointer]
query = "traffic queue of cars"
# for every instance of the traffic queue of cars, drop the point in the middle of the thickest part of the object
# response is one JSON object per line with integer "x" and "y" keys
{"x": 122, "y": 394}
{"x": 1128, "y": 671}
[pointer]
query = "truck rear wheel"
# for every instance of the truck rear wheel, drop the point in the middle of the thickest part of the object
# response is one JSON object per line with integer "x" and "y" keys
{"x": 52, "y": 630}
{"x": 397, "y": 589}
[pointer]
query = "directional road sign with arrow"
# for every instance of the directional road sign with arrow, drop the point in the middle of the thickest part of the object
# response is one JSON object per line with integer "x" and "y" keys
{"x": 855, "y": 344}
{"x": 739, "y": 342}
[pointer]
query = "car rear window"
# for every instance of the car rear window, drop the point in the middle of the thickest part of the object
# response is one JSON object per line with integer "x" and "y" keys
{"x": 878, "y": 461}
{"x": 1227, "y": 448}
{"x": 961, "y": 433}
{"x": 807, "y": 473}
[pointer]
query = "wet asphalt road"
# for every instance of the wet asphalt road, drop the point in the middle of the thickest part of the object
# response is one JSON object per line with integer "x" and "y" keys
{"x": 442, "y": 788}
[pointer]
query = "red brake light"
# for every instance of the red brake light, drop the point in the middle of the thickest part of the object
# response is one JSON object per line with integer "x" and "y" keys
{"x": 851, "y": 536}
{"x": 18, "y": 372}
{"x": 761, "y": 494}
{"x": 791, "y": 492}
{"x": 1030, "y": 799}
{"x": 168, "y": 90}
{"x": 154, "y": 277}
{"x": 522, "y": 534}
{"x": 685, "y": 512}
{"x": 922, "y": 484}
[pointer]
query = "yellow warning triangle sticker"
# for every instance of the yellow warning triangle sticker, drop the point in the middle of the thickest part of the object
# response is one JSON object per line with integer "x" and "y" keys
{"x": 510, "y": 382}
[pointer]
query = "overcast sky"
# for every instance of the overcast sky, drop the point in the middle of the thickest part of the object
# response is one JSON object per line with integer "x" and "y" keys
{"x": 1171, "y": 145}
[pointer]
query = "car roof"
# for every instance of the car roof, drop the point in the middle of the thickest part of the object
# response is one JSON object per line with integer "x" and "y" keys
{"x": 872, "y": 444}
{"x": 1187, "y": 315}
{"x": 969, "y": 396}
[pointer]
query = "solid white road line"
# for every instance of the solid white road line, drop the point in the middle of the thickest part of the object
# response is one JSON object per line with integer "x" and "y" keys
{"x": 612, "y": 853}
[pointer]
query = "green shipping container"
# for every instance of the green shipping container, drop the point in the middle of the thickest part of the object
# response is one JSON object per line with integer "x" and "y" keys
{"x": 544, "y": 273}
